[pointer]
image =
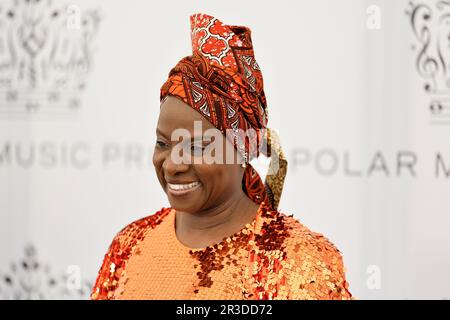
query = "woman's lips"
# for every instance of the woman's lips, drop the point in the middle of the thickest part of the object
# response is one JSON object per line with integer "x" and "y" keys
{"x": 178, "y": 189}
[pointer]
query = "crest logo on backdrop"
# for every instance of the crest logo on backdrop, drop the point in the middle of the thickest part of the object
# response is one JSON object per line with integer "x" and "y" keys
{"x": 30, "y": 279}
{"x": 45, "y": 55}
{"x": 431, "y": 27}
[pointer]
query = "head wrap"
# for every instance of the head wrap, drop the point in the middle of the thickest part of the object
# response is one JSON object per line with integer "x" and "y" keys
{"x": 222, "y": 81}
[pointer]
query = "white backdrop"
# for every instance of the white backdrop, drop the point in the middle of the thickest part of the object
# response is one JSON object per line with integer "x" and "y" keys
{"x": 367, "y": 141}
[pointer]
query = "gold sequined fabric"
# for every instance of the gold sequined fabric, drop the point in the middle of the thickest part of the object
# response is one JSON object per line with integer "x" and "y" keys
{"x": 273, "y": 257}
{"x": 277, "y": 168}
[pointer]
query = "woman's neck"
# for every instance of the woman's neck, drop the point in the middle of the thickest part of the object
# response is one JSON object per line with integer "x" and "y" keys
{"x": 210, "y": 226}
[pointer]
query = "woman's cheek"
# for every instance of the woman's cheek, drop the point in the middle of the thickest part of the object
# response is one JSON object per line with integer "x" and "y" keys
{"x": 156, "y": 159}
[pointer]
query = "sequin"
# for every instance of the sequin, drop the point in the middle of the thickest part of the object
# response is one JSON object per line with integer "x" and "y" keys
{"x": 122, "y": 247}
{"x": 273, "y": 257}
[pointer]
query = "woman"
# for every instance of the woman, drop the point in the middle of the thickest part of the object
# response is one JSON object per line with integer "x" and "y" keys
{"x": 222, "y": 237}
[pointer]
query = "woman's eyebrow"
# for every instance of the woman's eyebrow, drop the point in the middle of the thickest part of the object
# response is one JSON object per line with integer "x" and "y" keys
{"x": 158, "y": 131}
{"x": 207, "y": 136}
{"x": 202, "y": 138}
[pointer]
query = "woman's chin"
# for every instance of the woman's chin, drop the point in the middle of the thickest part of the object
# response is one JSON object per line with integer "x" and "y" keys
{"x": 183, "y": 207}
{"x": 185, "y": 204}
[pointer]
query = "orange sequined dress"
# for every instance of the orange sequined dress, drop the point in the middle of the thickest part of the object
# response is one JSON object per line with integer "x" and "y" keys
{"x": 273, "y": 257}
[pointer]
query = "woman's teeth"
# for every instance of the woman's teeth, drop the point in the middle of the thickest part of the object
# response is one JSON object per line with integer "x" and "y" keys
{"x": 186, "y": 186}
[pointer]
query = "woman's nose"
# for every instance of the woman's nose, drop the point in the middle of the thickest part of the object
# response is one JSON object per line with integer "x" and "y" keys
{"x": 174, "y": 164}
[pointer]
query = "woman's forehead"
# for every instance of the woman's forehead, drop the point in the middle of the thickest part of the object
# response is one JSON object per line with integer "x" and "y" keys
{"x": 176, "y": 114}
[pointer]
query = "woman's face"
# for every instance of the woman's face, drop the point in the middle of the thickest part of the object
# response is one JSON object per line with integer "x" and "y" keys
{"x": 203, "y": 185}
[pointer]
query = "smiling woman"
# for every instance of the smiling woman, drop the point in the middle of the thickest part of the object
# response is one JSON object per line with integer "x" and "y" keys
{"x": 209, "y": 192}
{"x": 222, "y": 236}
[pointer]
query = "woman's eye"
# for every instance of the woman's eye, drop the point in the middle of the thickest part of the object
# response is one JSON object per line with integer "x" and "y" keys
{"x": 197, "y": 150}
{"x": 160, "y": 144}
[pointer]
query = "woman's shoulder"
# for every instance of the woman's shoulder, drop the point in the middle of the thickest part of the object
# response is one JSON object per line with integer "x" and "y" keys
{"x": 300, "y": 236}
{"x": 122, "y": 247}
{"x": 315, "y": 260}
{"x": 137, "y": 228}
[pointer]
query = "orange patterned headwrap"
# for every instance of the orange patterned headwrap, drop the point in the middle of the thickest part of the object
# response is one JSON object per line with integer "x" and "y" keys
{"x": 222, "y": 81}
